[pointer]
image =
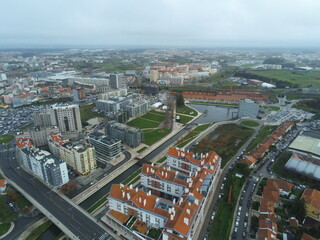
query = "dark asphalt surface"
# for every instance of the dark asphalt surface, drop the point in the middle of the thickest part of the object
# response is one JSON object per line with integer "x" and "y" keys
{"x": 69, "y": 216}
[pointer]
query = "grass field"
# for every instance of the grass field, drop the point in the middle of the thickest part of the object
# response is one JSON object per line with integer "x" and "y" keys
{"x": 142, "y": 149}
{"x": 191, "y": 135}
{"x": 186, "y": 110}
{"x": 225, "y": 140}
{"x": 272, "y": 108}
{"x": 265, "y": 131}
{"x": 6, "y": 138}
{"x": 250, "y": 123}
{"x": 302, "y": 78}
{"x": 4, "y": 227}
{"x": 153, "y": 136}
{"x": 184, "y": 119}
{"x": 149, "y": 124}
{"x": 86, "y": 113}
{"x": 39, "y": 230}
{"x": 224, "y": 214}
{"x": 161, "y": 160}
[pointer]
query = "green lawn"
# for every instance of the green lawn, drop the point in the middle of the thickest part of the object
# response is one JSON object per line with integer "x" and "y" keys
{"x": 250, "y": 123}
{"x": 187, "y": 110}
{"x": 302, "y": 78}
{"x": 264, "y": 132}
{"x": 225, "y": 140}
{"x": 100, "y": 202}
{"x": 39, "y": 230}
{"x": 4, "y": 227}
{"x": 142, "y": 149}
{"x": 151, "y": 119}
{"x": 272, "y": 108}
{"x": 191, "y": 135}
{"x": 132, "y": 176}
{"x": 86, "y": 113}
{"x": 184, "y": 119}
{"x": 222, "y": 222}
{"x": 151, "y": 137}
{"x": 161, "y": 160}
{"x": 6, "y": 138}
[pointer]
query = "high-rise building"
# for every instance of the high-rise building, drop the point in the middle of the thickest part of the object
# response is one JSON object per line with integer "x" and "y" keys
{"x": 80, "y": 157}
{"x": 107, "y": 149}
{"x": 42, "y": 163}
{"x": 114, "y": 104}
{"x": 42, "y": 118}
{"x": 128, "y": 135}
{"x": 154, "y": 75}
{"x": 248, "y": 108}
{"x": 39, "y": 135}
{"x": 116, "y": 80}
{"x": 67, "y": 118}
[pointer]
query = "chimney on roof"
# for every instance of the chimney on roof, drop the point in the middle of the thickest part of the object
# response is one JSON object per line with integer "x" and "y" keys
{"x": 123, "y": 194}
{"x": 149, "y": 193}
{"x": 147, "y": 169}
{"x": 171, "y": 217}
{"x": 130, "y": 186}
{"x": 186, "y": 221}
{"x": 128, "y": 196}
{"x": 196, "y": 201}
{"x": 166, "y": 174}
{"x": 144, "y": 202}
{"x": 174, "y": 201}
{"x": 189, "y": 203}
{"x": 121, "y": 185}
{"x": 157, "y": 200}
{"x": 140, "y": 200}
{"x": 152, "y": 164}
{"x": 186, "y": 190}
{"x": 137, "y": 189}
{"x": 188, "y": 210}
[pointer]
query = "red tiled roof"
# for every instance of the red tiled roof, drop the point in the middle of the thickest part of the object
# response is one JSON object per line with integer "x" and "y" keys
{"x": 23, "y": 141}
{"x": 276, "y": 184}
{"x": 3, "y": 183}
{"x": 312, "y": 197}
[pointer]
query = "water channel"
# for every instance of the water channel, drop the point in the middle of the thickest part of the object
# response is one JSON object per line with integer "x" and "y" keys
{"x": 212, "y": 114}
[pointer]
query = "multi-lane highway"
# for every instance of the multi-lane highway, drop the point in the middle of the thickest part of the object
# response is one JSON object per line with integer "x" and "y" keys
{"x": 60, "y": 210}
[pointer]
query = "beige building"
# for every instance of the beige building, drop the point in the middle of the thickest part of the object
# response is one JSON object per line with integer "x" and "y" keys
{"x": 80, "y": 157}
{"x": 67, "y": 118}
{"x": 154, "y": 74}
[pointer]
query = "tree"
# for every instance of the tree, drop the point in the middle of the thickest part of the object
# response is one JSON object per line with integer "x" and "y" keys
{"x": 179, "y": 100}
{"x": 300, "y": 211}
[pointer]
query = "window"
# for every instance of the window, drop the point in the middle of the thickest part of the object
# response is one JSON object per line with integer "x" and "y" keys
{"x": 168, "y": 188}
{"x": 177, "y": 190}
{"x": 119, "y": 206}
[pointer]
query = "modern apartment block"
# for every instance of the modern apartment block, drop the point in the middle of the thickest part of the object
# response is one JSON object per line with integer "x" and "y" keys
{"x": 128, "y": 135}
{"x": 170, "y": 200}
{"x": 42, "y": 163}
{"x": 248, "y": 108}
{"x": 138, "y": 108}
{"x": 107, "y": 149}
{"x": 80, "y": 157}
{"x": 67, "y": 118}
{"x": 116, "y": 80}
{"x": 113, "y": 104}
{"x": 42, "y": 118}
{"x": 38, "y": 135}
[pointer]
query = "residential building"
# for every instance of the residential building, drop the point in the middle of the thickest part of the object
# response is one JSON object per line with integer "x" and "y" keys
{"x": 248, "y": 108}
{"x": 187, "y": 162}
{"x": 170, "y": 200}
{"x": 114, "y": 104}
{"x": 311, "y": 199}
{"x": 121, "y": 92}
{"x": 80, "y": 157}
{"x": 107, "y": 149}
{"x": 67, "y": 118}
{"x": 128, "y": 135}
{"x": 42, "y": 163}
{"x": 154, "y": 75}
{"x": 116, "y": 80}
{"x": 138, "y": 108}
{"x": 38, "y": 135}
{"x": 42, "y": 118}
{"x": 78, "y": 94}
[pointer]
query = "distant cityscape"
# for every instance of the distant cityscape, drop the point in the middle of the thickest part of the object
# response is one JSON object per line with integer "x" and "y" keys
{"x": 166, "y": 144}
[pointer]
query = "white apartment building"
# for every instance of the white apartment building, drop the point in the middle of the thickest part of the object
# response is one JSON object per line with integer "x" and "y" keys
{"x": 67, "y": 118}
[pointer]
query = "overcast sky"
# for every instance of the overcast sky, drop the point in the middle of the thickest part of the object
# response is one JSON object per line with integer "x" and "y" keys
{"x": 160, "y": 23}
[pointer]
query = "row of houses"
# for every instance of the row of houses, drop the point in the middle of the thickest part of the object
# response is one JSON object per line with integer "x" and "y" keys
{"x": 260, "y": 150}
{"x": 172, "y": 198}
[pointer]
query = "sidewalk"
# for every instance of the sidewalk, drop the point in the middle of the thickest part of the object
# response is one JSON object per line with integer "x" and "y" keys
{"x": 9, "y": 231}
{"x": 29, "y": 230}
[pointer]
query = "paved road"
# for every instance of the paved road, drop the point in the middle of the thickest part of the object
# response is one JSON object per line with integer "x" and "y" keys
{"x": 262, "y": 170}
{"x": 214, "y": 203}
{"x": 68, "y": 215}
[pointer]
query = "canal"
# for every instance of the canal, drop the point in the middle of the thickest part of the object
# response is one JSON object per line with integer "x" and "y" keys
{"x": 213, "y": 114}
